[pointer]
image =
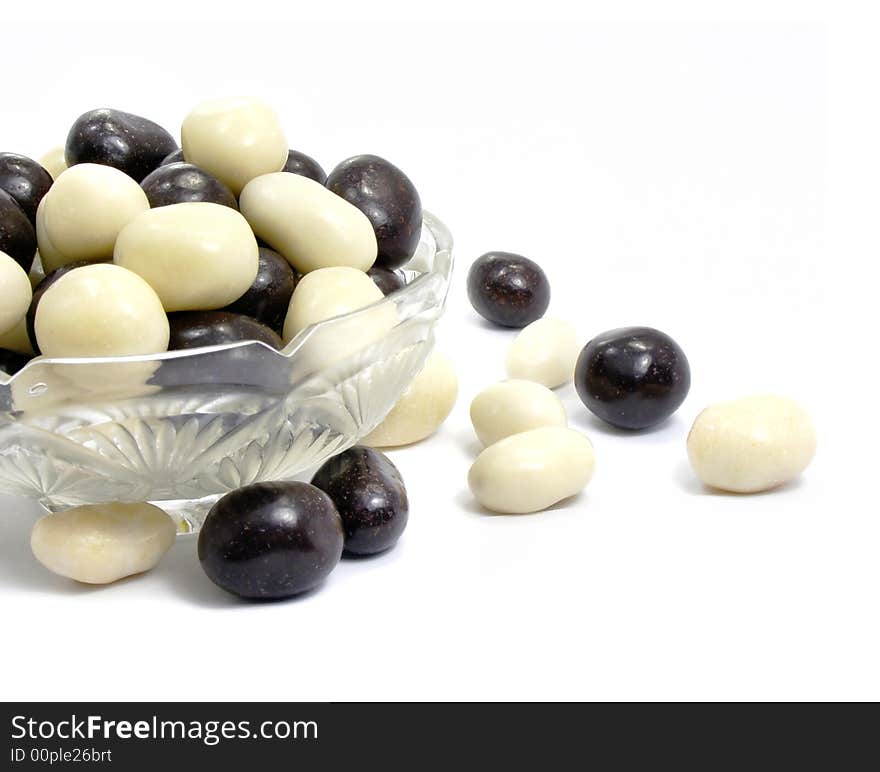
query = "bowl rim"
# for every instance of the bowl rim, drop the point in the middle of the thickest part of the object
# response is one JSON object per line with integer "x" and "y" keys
{"x": 439, "y": 273}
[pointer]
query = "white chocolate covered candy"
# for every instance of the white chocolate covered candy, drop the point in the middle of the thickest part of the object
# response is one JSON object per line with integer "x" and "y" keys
{"x": 15, "y": 293}
{"x": 100, "y": 310}
{"x": 751, "y": 444}
{"x": 532, "y": 471}
{"x": 53, "y": 161}
{"x": 235, "y": 139}
{"x": 512, "y": 407}
{"x": 83, "y": 213}
{"x": 196, "y": 256}
{"x": 544, "y": 352}
{"x": 101, "y": 543}
{"x": 18, "y": 340}
{"x": 308, "y": 224}
{"x": 423, "y": 407}
{"x": 325, "y": 293}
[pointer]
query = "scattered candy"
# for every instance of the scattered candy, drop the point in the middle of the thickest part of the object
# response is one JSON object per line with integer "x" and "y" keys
{"x": 15, "y": 293}
{"x": 101, "y": 543}
{"x": 235, "y": 139}
{"x": 388, "y": 198}
{"x": 544, "y": 352}
{"x": 370, "y": 497}
{"x": 100, "y": 310}
{"x": 181, "y": 183}
{"x": 425, "y": 404}
{"x": 271, "y": 540}
{"x": 196, "y": 256}
{"x": 751, "y": 444}
{"x": 83, "y": 213}
{"x": 532, "y": 471}
{"x": 305, "y": 222}
{"x": 513, "y": 407}
{"x": 507, "y": 289}
{"x": 190, "y": 270}
{"x": 632, "y": 377}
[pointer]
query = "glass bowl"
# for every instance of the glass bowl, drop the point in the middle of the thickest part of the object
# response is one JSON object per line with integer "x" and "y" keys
{"x": 182, "y": 428}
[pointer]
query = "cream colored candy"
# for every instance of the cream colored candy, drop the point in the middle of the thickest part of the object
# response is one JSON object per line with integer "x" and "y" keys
{"x": 17, "y": 339}
{"x": 544, "y": 352}
{"x": 512, "y": 407}
{"x": 308, "y": 224}
{"x": 423, "y": 407}
{"x": 36, "y": 274}
{"x": 751, "y": 444}
{"x": 197, "y": 256}
{"x": 531, "y": 471}
{"x": 100, "y": 310}
{"x": 83, "y": 212}
{"x": 325, "y": 293}
{"x": 53, "y": 161}
{"x": 101, "y": 543}
{"x": 15, "y": 293}
{"x": 235, "y": 139}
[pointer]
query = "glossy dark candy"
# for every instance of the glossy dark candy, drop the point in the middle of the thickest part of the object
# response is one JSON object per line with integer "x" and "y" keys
{"x": 390, "y": 201}
{"x": 25, "y": 181}
{"x": 180, "y": 183}
{"x": 192, "y": 329}
{"x": 48, "y": 280}
{"x": 17, "y": 236}
{"x": 370, "y": 497}
{"x": 127, "y": 142}
{"x": 173, "y": 158}
{"x": 508, "y": 289}
{"x": 632, "y": 377}
{"x": 271, "y": 540}
{"x": 268, "y": 298}
{"x": 11, "y": 361}
{"x": 386, "y": 280}
{"x": 305, "y": 166}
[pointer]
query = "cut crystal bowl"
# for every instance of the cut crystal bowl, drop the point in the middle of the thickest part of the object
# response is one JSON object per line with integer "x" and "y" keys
{"x": 181, "y": 428}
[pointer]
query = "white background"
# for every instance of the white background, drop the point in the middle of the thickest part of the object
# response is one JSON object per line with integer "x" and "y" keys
{"x": 692, "y": 176}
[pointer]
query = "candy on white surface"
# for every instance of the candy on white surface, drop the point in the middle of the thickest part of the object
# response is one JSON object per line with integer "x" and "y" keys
{"x": 308, "y": 224}
{"x": 53, "y": 161}
{"x": 83, "y": 213}
{"x": 423, "y": 407}
{"x": 532, "y": 471}
{"x": 544, "y": 352}
{"x": 100, "y": 310}
{"x": 196, "y": 256}
{"x": 101, "y": 543}
{"x": 751, "y": 444}
{"x": 514, "y": 406}
{"x": 235, "y": 139}
{"x": 15, "y": 293}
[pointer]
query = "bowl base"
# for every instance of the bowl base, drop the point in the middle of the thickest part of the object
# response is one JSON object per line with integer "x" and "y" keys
{"x": 189, "y": 514}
